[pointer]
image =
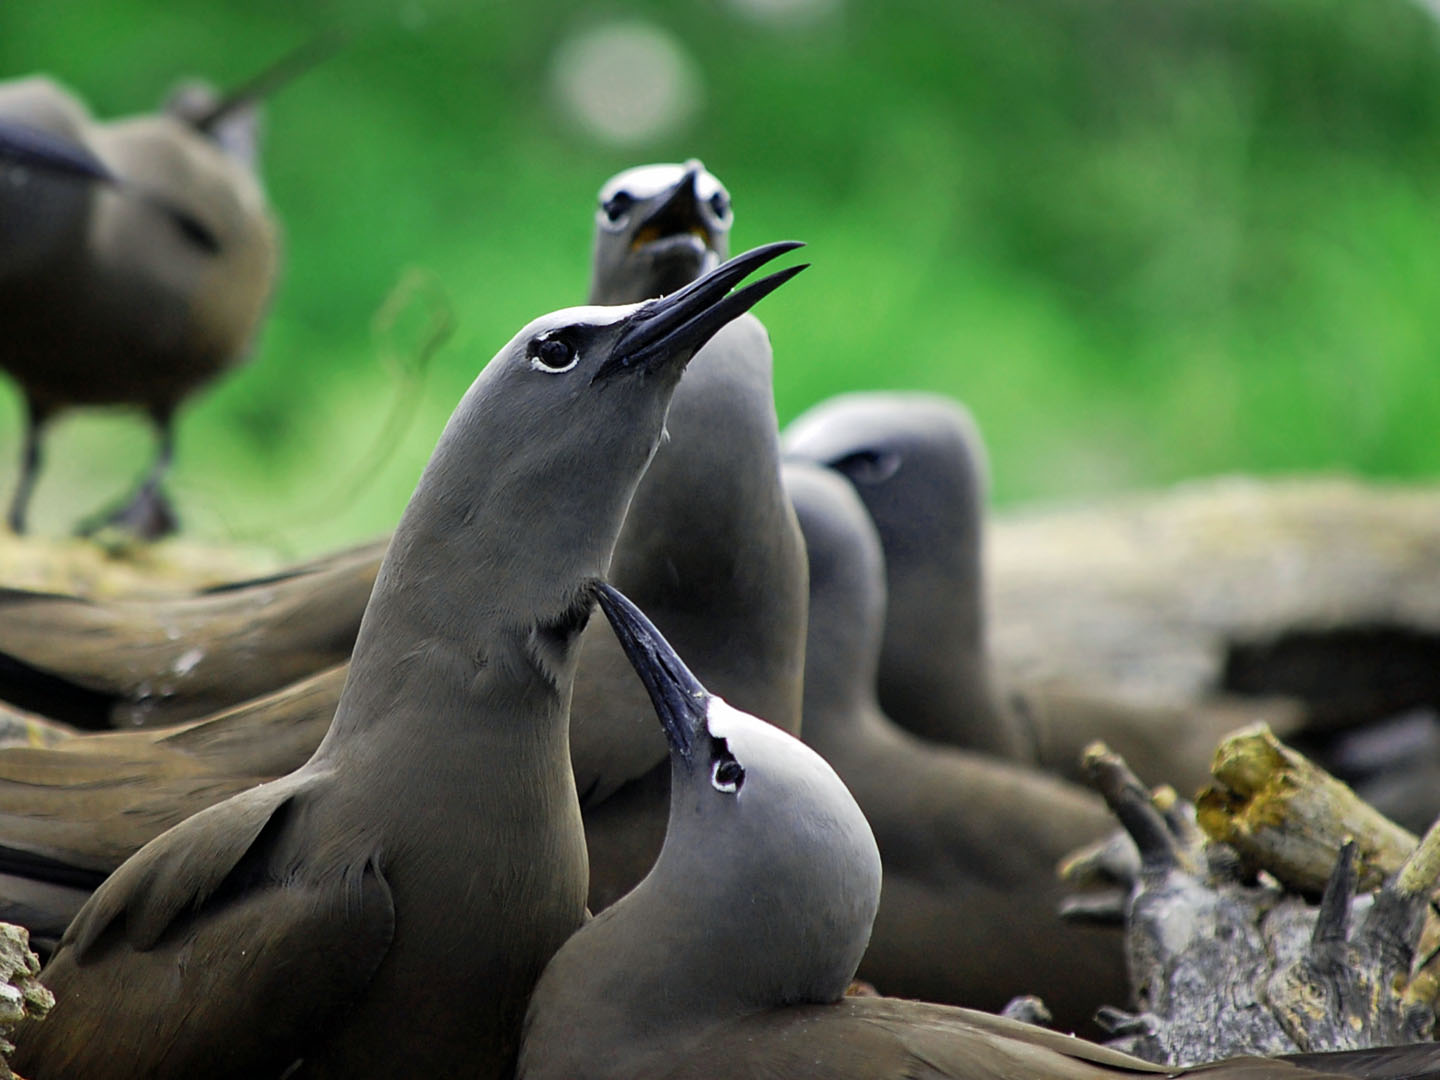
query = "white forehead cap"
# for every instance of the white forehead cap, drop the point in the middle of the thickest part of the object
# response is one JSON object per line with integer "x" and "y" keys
{"x": 591, "y": 315}
{"x": 647, "y": 181}
{"x": 756, "y": 744}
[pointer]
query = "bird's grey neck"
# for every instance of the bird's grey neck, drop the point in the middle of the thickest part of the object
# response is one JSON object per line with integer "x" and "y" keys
{"x": 842, "y": 657}
{"x": 480, "y": 594}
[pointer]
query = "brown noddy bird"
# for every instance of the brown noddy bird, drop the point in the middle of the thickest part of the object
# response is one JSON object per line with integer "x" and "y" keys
{"x": 731, "y": 957}
{"x": 388, "y": 906}
{"x": 710, "y": 545}
{"x": 970, "y": 843}
{"x": 917, "y": 462}
{"x": 710, "y": 542}
{"x": 136, "y": 293}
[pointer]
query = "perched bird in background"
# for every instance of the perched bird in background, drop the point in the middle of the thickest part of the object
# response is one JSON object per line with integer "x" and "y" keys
{"x": 917, "y": 463}
{"x": 969, "y": 912}
{"x": 919, "y": 466}
{"x": 731, "y": 958}
{"x": 136, "y": 293}
{"x": 658, "y": 227}
{"x": 386, "y": 908}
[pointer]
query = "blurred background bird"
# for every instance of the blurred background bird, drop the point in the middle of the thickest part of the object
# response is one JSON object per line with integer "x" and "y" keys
{"x": 1142, "y": 242}
{"x": 138, "y": 293}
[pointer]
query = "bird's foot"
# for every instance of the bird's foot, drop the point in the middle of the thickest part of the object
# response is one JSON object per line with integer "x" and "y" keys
{"x": 148, "y": 516}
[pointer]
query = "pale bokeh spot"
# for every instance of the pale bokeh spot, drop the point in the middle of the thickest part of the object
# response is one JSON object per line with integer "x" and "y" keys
{"x": 626, "y": 83}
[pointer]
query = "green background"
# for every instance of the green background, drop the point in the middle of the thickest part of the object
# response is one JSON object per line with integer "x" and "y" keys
{"x": 1144, "y": 239}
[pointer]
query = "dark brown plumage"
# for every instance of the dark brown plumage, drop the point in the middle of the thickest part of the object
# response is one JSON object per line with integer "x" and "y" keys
{"x": 918, "y": 464}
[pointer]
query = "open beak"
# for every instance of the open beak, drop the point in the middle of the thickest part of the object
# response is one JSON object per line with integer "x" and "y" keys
{"x": 672, "y": 329}
{"x": 678, "y": 215}
{"x": 680, "y": 701}
{"x": 42, "y": 150}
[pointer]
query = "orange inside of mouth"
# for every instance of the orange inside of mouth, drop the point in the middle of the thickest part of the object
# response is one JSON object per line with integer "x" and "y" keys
{"x": 650, "y": 233}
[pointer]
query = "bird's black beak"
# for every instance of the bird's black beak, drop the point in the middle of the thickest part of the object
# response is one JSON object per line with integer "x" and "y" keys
{"x": 673, "y": 328}
{"x": 680, "y": 701}
{"x": 677, "y": 215}
{"x": 23, "y": 145}
{"x": 279, "y": 74}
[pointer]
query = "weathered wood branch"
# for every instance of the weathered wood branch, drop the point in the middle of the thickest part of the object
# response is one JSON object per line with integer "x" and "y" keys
{"x": 1285, "y": 815}
{"x": 1224, "y": 960}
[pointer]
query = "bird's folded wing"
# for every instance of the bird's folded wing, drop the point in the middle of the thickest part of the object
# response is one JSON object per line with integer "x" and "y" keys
{"x": 895, "y": 1039}
{"x": 231, "y": 965}
{"x": 71, "y": 813}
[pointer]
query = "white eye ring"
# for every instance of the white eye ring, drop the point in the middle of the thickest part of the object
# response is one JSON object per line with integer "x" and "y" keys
{"x": 536, "y": 365}
{"x": 727, "y": 786}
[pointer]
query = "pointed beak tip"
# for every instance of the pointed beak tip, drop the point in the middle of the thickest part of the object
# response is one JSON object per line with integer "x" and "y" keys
{"x": 678, "y": 325}
{"x": 678, "y": 697}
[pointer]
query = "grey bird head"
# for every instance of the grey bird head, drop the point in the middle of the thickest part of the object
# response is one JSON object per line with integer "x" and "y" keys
{"x": 901, "y": 451}
{"x": 768, "y": 883}
{"x": 656, "y": 228}
{"x": 918, "y": 464}
{"x": 599, "y": 379}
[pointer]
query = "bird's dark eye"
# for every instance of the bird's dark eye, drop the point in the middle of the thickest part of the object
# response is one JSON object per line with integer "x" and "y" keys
{"x": 727, "y": 774}
{"x": 868, "y": 466}
{"x": 552, "y": 354}
{"x": 617, "y": 205}
{"x": 196, "y": 232}
{"x": 720, "y": 204}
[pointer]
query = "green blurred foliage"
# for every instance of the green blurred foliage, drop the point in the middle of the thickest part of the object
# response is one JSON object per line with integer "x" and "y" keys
{"x": 1142, "y": 239}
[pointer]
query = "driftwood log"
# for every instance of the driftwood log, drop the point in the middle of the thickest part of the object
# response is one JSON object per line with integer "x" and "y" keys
{"x": 1226, "y": 960}
{"x": 1323, "y": 589}
{"x": 1232, "y": 584}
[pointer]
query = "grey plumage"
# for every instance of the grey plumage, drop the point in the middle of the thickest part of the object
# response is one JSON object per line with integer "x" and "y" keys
{"x": 730, "y": 958}
{"x": 387, "y": 907}
{"x": 969, "y": 913}
{"x": 131, "y": 293}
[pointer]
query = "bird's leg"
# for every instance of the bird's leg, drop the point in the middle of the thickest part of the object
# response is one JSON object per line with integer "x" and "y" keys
{"x": 35, "y": 418}
{"x": 148, "y": 514}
